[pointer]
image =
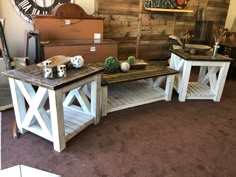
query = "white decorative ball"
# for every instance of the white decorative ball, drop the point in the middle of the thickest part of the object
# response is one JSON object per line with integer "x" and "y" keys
{"x": 124, "y": 66}
{"x": 77, "y": 61}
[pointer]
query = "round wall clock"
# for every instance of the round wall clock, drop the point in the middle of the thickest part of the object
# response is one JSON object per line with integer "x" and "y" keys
{"x": 26, "y": 8}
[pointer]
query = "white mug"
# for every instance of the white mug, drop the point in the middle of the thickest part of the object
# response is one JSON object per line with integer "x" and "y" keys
{"x": 61, "y": 70}
{"x": 48, "y": 72}
{"x": 77, "y": 61}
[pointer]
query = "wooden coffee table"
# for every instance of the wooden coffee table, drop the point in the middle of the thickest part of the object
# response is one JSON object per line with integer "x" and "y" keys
{"x": 136, "y": 87}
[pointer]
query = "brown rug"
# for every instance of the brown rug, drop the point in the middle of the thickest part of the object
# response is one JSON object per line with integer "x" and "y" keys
{"x": 163, "y": 139}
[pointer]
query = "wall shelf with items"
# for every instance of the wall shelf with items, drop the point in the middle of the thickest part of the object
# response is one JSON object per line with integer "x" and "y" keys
{"x": 175, "y": 11}
{"x": 168, "y": 10}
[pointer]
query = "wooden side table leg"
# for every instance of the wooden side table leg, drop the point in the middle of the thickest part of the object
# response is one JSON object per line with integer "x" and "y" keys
{"x": 104, "y": 99}
{"x": 169, "y": 87}
{"x": 95, "y": 98}
{"x": 185, "y": 81}
{"x": 221, "y": 81}
{"x": 19, "y": 105}
{"x": 15, "y": 129}
{"x": 57, "y": 119}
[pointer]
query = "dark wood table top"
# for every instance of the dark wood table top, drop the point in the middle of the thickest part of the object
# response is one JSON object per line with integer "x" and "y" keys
{"x": 201, "y": 57}
{"x": 153, "y": 69}
{"x": 33, "y": 74}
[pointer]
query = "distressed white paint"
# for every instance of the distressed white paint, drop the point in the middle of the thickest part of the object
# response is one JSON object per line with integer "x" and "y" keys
{"x": 210, "y": 82}
{"x": 63, "y": 120}
{"x": 135, "y": 93}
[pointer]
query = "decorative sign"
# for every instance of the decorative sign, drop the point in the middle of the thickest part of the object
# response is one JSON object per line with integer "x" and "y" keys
{"x": 26, "y": 8}
{"x": 166, "y": 4}
{"x": 182, "y": 3}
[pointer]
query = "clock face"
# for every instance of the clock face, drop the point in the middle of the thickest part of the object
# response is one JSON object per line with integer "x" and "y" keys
{"x": 26, "y": 8}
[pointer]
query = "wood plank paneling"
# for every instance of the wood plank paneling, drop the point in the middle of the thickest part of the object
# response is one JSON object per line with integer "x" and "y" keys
{"x": 145, "y": 33}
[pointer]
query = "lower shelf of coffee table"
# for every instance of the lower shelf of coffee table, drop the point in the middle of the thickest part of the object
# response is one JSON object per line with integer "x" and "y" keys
{"x": 126, "y": 95}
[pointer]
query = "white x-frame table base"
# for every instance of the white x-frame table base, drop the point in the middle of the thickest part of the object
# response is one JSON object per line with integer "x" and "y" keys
{"x": 211, "y": 78}
{"x": 63, "y": 119}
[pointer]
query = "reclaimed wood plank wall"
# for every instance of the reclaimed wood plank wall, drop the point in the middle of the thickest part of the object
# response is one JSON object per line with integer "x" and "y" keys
{"x": 144, "y": 34}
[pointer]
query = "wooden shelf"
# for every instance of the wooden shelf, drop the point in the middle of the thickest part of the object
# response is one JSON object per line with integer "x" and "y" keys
{"x": 130, "y": 94}
{"x": 168, "y": 10}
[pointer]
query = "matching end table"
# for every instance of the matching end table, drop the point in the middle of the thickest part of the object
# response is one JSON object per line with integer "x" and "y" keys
{"x": 64, "y": 118}
{"x": 211, "y": 78}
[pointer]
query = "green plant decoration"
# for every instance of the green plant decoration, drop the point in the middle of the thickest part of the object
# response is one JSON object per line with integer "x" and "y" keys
{"x": 131, "y": 60}
{"x": 112, "y": 64}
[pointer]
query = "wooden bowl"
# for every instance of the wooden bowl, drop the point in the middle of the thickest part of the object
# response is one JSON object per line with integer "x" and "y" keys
{"x": 139, "y": 64}
{"x": 198, "y": 48}
{"x": 56, "y": 60}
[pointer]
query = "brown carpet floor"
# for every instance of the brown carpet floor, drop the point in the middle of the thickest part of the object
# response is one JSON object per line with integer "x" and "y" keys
{"x": 163, "y": 139}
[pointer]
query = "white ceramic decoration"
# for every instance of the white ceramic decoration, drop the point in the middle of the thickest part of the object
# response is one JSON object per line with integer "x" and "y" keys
{"x": 77, "y": 61}
{"x": 61, "y": 71}
{"x": 48, "y": 72}
{"x": 125, "y": 66}
{"x": 47, "y": 63}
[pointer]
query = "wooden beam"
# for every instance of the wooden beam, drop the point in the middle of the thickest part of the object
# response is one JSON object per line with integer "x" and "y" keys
{"x": 139, "y": 27}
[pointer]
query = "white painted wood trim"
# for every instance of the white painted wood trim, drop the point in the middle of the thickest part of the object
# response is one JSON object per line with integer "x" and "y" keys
{"x": 79, "y": 83}
{"x": 131, "y": 94}
{"x": 95, "y": 98}
{"x": 208, "y": 63}
{"x": 83, "y": 100}
{"x": 57, "y": 119}
{"x": 51, "y": 124}
{"x": 159, "y": 81}
{"x": 70, "y": 97}
{"x": 104, "y": 96}
{"x": 208, "y": 75}
{"x": 169, "y": 87}
{"x": 221, "y": 81}
{"x": 185, "y": 80}
{"x": 19, "y": 104}
{"x": 212, "y": 77}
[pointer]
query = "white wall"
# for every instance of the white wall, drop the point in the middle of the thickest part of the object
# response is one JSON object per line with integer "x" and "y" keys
{"x": 231, "y": 15}
{"x": 15, "y": 27}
